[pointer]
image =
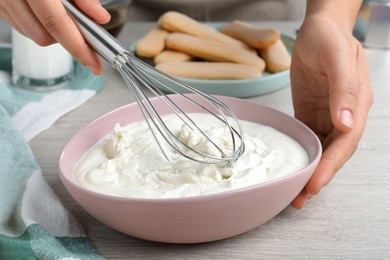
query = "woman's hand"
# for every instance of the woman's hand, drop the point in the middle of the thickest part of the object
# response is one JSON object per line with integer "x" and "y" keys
{"x": 331, "y": 94}
{"x": 47, "y": 22}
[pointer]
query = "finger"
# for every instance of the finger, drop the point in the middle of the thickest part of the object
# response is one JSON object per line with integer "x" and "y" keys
{"x": 24, "y": 21}
{"x": 339, "y": 151}
{"x": 8, "y": 19}
{"x": 300, "y": 200}
{"x": 333, "y": 158}
{"x": 55, "y": 19}
{"x": 339, "y": 146}
{"x": 343, "y": 90}
{"x": 331, "y": 161}
{"x": 95, "y": 10}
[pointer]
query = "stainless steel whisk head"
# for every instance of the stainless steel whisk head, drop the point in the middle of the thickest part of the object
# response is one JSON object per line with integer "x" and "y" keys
{"x": 139, "y": 77}
{"x": 142, "y": 79}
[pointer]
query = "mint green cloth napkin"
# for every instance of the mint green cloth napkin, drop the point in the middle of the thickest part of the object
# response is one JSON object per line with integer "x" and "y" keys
{"x": 33, "y": 222}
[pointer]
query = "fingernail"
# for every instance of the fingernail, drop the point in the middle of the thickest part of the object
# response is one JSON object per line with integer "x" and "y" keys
{"x": 92, "y": 69}
{"x": 346, "y": 118}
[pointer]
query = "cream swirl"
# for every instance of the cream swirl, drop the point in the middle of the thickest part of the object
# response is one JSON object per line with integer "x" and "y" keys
{"x": 128, "y": 163}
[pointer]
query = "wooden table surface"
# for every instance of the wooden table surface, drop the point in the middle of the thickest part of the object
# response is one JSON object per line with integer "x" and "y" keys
{"x": 349, "y": 219}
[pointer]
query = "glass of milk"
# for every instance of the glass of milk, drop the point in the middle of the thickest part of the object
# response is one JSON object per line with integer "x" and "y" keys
{"x": 39, "y": 68}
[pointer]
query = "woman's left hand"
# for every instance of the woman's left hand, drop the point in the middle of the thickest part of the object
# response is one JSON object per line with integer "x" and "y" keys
{"x": 331, "y": 94}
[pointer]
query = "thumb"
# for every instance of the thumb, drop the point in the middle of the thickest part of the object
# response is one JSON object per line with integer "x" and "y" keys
{"x": 343, "y": 89}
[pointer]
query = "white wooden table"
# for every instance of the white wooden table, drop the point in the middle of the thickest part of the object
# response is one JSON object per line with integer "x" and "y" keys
{"x": 349, "y": 219}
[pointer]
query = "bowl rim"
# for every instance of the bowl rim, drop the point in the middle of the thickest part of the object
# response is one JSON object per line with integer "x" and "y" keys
{"x": 203, "y": 197}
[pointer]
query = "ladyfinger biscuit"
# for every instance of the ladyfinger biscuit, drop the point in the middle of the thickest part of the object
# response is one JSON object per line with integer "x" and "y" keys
{"x": 251, "y": 35}
{"x": 209, "y": 70}
{"x": 172, "y": 56}
{"x": 277, "y": 57}
{"x": 212, "y": 51}
{"x": 178, "y": 22}
{"x": 152, "y": 43}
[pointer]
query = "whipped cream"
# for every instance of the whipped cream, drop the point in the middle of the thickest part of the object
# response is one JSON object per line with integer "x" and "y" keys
{"x": 129, "y": 163}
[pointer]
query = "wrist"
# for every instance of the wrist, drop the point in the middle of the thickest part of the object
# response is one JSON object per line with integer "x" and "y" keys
{"x": 342, "y": 12}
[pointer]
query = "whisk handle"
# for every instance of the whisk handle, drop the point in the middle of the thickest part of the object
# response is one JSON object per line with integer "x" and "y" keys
{"x": 96, "y": 36}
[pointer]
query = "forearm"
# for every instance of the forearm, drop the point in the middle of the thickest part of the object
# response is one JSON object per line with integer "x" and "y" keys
{"x": 343, "y": 12}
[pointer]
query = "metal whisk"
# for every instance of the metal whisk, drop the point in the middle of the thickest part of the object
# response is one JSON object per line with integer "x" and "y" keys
{"x": 140, "y": 76}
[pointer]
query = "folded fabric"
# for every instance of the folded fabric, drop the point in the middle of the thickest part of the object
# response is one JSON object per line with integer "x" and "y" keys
{"x": 32, "y": 112}
{"x": 33, "y": 222}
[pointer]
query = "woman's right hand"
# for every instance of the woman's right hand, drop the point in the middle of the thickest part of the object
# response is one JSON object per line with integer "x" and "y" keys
{"x": 47, "y": 22}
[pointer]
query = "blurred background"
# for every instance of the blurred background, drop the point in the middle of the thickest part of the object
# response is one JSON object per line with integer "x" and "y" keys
{"x": 203, "y": 10}
{"x": 246, "y": 10}
{"x": 217, "y": 10}
{"x": 373, "y": 19}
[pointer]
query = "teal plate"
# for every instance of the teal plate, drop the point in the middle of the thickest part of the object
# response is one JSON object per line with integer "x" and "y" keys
{"x": 243, "y": 87}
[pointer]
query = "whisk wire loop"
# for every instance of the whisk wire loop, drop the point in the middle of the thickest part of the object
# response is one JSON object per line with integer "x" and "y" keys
{"x": 137, "y": 77}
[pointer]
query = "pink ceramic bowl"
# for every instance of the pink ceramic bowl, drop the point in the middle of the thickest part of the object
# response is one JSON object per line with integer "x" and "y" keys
{"x": 194, "y": 219}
